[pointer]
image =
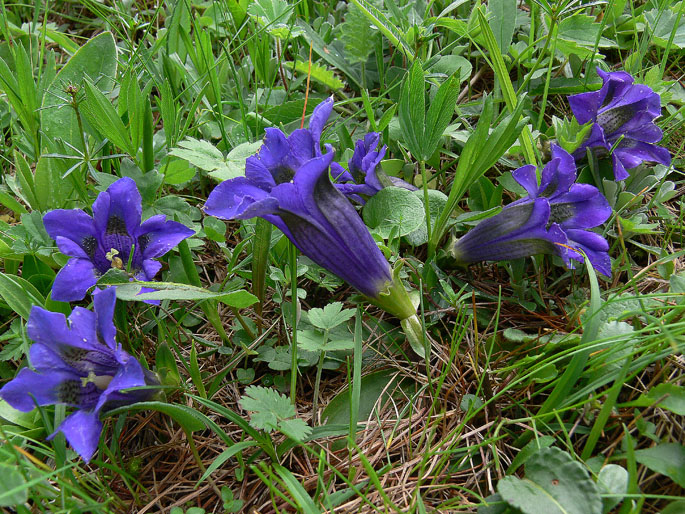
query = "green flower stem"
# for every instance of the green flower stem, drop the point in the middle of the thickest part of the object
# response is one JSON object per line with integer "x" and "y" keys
{"x": 293, "y": 341}
{"x": 395, "y": 300}
{"x": 426, "y": 206}
{"x": 317, "y": 382}
{"x": 208, "y": 307}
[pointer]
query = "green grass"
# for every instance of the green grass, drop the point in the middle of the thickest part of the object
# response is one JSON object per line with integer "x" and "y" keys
{"x": 525, "y": 355}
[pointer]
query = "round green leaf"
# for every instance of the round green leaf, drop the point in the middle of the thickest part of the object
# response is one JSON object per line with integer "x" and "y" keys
{"x": 436, "y": 203}
{"x": 612, "y": 480}
{"x": 394, "y": 210}
{"x": 554, "y": 484}
{"x": 13, "y": 487}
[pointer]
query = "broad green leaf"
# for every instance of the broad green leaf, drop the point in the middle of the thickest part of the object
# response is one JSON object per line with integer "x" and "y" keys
{"x": 51, "y": 191}
{"x": 215, "y": 229}
{"x": 439, "y": 115}
{"x": 19, "y": 294}
{"x": 528, "y": 451}
{"x": 357, "y": 35}
{"x": 612, "y": 481}
{"x": 667, "y": 459}
{"x": 375, "y": 389}
{"x": 668, "y": 396}
{"x": 436, "y": 203}
{"x": 204, "y": 155}
{"x": 455, "y": 65}
{"x": 201, "y": 154}
{"x": 95, "y": 61}
{"x": 171, "y": 291}
{"x": 312, "y": 341}
{"x": 554, "y": 484}
{"x": 502, "y": 22}
{"x": 331, "y": 52}
{"x": 274, "y": 16}
{"x": 190, "y": 419}
{"x": 662, "y": 27}
{"x": 412, "y": 110}
{"x": 17, "y": 417}
{"x": 583, "y": 30}
{"x": 394, "y": 208}
{"x": 26, "y": 180}
{"x": 13, "y": 487}
{"x": 235, "y": 161}
{"x": 99, "y": 111}
{"x": 177, "y": 171}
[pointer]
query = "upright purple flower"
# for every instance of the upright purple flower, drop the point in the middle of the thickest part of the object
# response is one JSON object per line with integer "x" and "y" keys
{"x": 104, "y": 241}
{"x": 623, "y": 114}
{"x": 365, "y": 176}
{"x": 553, "y": 219}
{"x": 79, "y": 363}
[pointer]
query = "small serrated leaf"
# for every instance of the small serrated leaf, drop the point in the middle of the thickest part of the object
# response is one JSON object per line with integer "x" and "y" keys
{"x": 356, "y": 34}
{"x": 330, "y": 316}
{"x": 271, "y": 410}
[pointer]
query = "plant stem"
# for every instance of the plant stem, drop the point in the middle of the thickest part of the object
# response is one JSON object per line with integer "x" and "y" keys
{"x": 293, "y": 340}
{"x": 317, "y": 382}
{"x": 426, "y": 206}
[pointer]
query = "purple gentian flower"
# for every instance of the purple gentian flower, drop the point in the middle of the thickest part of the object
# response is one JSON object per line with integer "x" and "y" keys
{"x": 104, "y": 241}
{"x": 623, "y": 114}
{"x": 79, "y": 363}
{"x": 313, "y": 214}
{"x": 554, "y": 219}
{"x": 365, "y": 176}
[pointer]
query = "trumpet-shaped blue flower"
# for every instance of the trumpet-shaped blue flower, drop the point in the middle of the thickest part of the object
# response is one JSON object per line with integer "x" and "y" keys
{"x": 623, "y": 116}
{"x": 288, "y": 184}
{"x": 104, "y": 241}
{"x": 79, "y": 363}
{"x": 365, "y": 177}
{"x": 553, "y": 219}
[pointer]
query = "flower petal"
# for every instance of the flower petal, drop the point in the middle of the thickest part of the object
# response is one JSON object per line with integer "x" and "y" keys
{"x": 157, "y": 236}
{"x": 632, "y": 153}
{"x": 122, "y": 201}
{"x": 150, "y": 269}
{"x": 318, "y": 120}
{"x": 82, "y": 430}
{"x": 239, "y": 199}
{"x": 583, "y": 206}
{"x": 584, "y": 106}
{"x": 594, "y": 246}
{"x": 27, "y": 385}
{"x": 77, "y": 344}
{"x": 130, "y": 374}
{"x": 527, "y": 178}
{"x": 258, "y": 174}
{"x": 73, "y": 225}
{"x": 104, "y": 301}
{"x": 73, "y": 280}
